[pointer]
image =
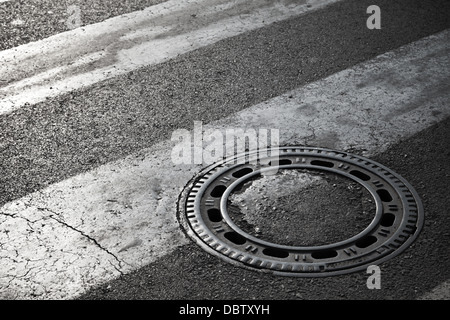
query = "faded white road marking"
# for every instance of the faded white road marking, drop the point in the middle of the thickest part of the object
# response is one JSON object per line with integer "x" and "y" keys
{"x": 17, "y": 22}
{"x": 58, "y": 242}
{"x": 440, "y": 292}
{"x": 71, "y": 60}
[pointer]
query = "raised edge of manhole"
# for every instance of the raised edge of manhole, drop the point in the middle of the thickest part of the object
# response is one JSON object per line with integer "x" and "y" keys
{"x": 202, "y": 212}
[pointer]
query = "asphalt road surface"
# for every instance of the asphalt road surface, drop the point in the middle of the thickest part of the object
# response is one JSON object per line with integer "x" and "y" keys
{"x": 88, "y": 189}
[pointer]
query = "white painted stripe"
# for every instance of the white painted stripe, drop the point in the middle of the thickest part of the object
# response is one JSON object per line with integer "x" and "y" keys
{"x": 440, "y": 292}
{"x": 71, "y": 60}
{"x": 129, "y": 206}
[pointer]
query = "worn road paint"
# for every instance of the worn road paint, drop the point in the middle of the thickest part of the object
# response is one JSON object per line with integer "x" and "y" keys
{"x": 75, "y": 59}
{"x": 440, "y": 292}
{"x": 72, "y": 235}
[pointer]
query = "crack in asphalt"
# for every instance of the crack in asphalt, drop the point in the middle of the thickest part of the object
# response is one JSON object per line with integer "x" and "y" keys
{"x": 54, "y": 216}
{"x": 311, "y": 137}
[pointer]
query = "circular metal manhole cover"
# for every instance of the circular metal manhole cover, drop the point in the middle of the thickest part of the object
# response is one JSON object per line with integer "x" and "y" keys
{"x": 204, "y": 212}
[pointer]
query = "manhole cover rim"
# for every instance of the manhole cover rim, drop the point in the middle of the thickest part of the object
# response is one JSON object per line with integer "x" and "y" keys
{"x": 276, "y": 266}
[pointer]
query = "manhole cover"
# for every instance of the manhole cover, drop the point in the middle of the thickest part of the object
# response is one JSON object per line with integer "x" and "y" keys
{"x": 209, "y": 211}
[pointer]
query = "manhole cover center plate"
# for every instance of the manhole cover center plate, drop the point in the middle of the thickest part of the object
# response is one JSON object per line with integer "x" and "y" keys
{"x": 300, "y": 207}
{"x": 247, "y": 209}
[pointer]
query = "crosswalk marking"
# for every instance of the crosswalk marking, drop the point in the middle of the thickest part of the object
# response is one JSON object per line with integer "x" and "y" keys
{"x": 90, "y": 228}
{"x": 440, "y": 292}
{"x": 81, "y": 57}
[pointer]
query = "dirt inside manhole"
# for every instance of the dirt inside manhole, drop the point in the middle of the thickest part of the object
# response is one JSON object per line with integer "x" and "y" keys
{"x": 300, "y": 207}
